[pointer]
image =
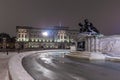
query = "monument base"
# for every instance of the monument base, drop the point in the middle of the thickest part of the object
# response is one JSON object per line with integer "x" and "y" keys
{"x": 97, "y": 56}
{"x": 87, "y": 55}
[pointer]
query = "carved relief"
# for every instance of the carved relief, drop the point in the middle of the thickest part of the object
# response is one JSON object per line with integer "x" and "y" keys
{"x": 110, "y": 45}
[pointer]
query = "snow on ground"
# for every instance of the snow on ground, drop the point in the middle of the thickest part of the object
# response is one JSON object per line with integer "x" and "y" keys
{"x": 4, "y": 59}
{"x": 113, "y": 54}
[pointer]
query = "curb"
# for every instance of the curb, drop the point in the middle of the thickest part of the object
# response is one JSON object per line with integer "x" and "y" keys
{"x": 16, "y": 69}
{"x": 71, "y": 56}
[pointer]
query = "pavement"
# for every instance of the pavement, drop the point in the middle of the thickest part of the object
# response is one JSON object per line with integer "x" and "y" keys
{"x": 4, "y": 59}
{"x": 54, "y": 66}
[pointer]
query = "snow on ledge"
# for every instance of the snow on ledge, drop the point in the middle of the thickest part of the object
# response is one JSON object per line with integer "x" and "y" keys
{"x": 16, "y": 70}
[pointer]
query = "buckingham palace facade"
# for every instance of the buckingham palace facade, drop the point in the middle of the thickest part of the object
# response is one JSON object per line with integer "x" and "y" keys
{"x": 52, "y": 37}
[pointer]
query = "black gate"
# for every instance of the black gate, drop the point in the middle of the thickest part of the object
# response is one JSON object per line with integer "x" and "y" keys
{"x": 81, "y": 46}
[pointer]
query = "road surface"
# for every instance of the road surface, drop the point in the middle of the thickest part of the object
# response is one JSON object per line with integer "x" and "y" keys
{"x": 54, "y": 66}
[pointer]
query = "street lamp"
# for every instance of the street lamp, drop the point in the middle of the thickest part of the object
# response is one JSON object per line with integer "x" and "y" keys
{"x": 45, "y": 33}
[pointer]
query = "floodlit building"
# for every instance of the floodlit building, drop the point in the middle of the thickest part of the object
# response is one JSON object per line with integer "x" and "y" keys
{"x": 52, "y": 37}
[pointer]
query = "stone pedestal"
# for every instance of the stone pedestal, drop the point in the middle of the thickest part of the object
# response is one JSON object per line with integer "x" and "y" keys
{"x": 96, "y": 56}
{"x": 96, "y": 45}
{"x": 92, "y": 44}
{"x": 72, "y": 48}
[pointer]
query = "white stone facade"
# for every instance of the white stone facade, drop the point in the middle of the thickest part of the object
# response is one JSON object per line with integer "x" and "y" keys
{"x": 58, "y": 36}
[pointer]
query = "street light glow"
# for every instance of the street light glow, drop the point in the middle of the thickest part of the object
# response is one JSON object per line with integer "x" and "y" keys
{"x": 45, "y": 34}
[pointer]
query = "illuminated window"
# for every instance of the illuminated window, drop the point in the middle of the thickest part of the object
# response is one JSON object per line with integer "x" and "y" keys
{"x": 18, "y": 40}
{"x": 39, "y": 40}
{"x": 32, "y": 40}
{"x": 51, "y": 40}
{"x": 43, "y": 40}
{"x": 47, "y": 40}
{"x": 26, "y": 40}
{"x": 55, "y": 40}
{"x": 36, "y": 40}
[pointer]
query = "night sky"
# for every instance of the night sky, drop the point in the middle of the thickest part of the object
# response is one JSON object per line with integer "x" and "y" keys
{"x": 104, "y": 14}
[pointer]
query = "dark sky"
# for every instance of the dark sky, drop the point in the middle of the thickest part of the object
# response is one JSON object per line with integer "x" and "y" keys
{"x": 105, "y": 14}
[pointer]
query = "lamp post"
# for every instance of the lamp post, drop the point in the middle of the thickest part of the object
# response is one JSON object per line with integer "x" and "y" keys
{"x": 45, "y": 34}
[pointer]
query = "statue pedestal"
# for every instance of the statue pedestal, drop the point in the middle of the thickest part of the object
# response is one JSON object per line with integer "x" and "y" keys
{"x": 87, "y": 55}
{"x": 72, "y": 48}
{"x": 96, "y": 56}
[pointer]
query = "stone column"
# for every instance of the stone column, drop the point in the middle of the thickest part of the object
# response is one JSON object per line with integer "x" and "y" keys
{"x": 86, "y": 44}
{"x": 89, "y": 44}
{"x": 97, "y": 44}
{"x": 92, "y": 44}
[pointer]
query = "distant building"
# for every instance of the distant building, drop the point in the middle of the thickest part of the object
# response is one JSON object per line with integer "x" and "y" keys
{"x": 53, "y": 37}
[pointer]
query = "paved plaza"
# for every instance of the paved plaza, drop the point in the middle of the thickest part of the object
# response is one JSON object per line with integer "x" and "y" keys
{"x": 4, "y": 59}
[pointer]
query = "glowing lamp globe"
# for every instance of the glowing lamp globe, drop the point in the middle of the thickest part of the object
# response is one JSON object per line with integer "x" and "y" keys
{"x": 45, "y": 34}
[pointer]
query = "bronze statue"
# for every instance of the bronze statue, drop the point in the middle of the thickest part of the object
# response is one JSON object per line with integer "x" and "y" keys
{"x": 88, "y": 27}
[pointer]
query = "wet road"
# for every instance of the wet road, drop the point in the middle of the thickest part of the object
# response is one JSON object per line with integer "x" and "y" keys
{"x": 54, "y": 66}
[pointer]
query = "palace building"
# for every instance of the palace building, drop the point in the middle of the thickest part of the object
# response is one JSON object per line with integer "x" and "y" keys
{"x": 52, "y": 37}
